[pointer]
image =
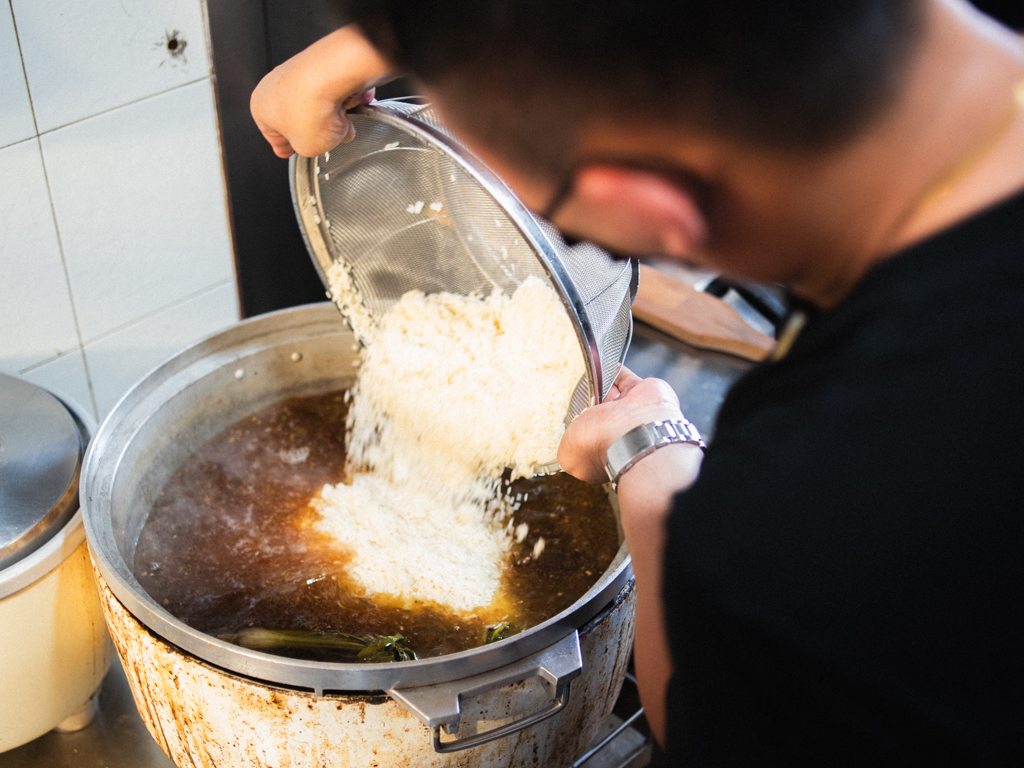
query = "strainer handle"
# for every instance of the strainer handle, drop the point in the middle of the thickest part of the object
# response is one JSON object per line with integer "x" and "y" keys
{"x": 439, "y": 706}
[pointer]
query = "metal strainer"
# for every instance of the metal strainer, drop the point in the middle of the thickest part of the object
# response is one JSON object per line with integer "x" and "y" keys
{"x": 405, "y": 207}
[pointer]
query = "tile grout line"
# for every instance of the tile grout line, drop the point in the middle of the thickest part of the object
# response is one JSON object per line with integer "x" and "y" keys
{"x": 24, "y": 72}
{"x": 33, "y": 137}
{"x": 53, "y": 214}
{"x": 139, "y": 100}
{"x": 154, "y": 312}
{"x": 47, "y": 361}
{"x": 81, "y": 347}
{"x": 67, "y": 277}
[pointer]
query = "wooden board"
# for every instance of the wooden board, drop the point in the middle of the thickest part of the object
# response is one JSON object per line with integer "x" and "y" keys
{"x": 699, "y": 319}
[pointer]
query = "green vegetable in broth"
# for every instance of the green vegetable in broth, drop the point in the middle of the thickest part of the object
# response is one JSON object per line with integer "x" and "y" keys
{"x": 498, "y": 632}
{"x": 388, "y": 648}
{"x": 374, "y": 649}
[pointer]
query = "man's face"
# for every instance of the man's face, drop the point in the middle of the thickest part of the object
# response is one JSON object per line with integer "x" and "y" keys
{"x": 598, "y": 201}
{"x": 770, "y": 216}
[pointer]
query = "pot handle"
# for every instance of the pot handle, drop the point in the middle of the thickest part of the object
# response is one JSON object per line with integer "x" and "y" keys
{"x": 439, "y": 706}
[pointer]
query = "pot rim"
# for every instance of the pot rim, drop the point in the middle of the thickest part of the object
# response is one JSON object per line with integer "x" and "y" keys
{"x": 222, "y": 351}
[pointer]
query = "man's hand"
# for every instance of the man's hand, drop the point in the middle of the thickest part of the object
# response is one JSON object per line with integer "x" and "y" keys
{"x": 300, "y": 105}
{"x": 631, "y": 402}
{"x": 645, "y": 499}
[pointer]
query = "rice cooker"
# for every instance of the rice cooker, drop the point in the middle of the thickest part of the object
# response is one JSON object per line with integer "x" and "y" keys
{"x": 54, "y": 646}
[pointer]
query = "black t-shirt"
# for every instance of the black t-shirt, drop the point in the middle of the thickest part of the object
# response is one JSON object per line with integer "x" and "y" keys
{"x": 844, "y": 583}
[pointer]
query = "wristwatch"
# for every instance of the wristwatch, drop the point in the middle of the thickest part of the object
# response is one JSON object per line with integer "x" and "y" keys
{"x": 646, "y": 439}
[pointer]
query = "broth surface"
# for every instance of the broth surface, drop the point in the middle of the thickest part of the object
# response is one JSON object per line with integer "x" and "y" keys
{"x": 230, "y": 542}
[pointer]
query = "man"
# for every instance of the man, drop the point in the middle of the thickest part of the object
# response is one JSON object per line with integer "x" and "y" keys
{"x": 838, "y": 579}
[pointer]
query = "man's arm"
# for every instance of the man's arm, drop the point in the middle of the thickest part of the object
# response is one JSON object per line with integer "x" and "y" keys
{"x": 645, "y": 498}
{"x": 300, "y": 105}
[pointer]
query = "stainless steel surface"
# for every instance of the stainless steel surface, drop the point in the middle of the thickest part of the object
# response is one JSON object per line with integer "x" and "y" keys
{"x": 619, "y": 744}
{"x": 62, "y": 541}
{"x": 606, "y": 747}
{"x": 700, "y": 378}
{"x": 118, "y": 737}
{"x": 404, "y": 206}
{"x": 192, "y": 397}
{"x": 40, "y": 458}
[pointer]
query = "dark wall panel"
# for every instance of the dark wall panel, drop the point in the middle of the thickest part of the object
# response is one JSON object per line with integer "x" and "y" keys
{"x": 248, "y": 39}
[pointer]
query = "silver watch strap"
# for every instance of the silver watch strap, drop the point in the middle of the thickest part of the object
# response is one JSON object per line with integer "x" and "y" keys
{"x": 646, "y": 439}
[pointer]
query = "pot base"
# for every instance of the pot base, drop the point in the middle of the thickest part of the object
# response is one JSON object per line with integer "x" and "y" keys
{"x": 201, "y": 715}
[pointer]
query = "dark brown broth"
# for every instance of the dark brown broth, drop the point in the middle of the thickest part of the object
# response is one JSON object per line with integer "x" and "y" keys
{"x": 230, "y": 541}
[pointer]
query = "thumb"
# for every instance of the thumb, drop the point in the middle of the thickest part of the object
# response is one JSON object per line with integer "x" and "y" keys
{"x": 281, "y": 146}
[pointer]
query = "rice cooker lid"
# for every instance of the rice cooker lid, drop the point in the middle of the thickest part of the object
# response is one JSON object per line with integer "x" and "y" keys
{"x": 41, "y": 447}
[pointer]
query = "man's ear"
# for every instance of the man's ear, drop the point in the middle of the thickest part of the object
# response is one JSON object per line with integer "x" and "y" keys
{"x": 634, "y": 211}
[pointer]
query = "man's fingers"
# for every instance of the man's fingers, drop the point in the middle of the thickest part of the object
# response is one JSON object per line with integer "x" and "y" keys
{"x": 280, "y": 145}
{"x": 353, "y": 101}
{"x": 630, "y": 402}
{"x": 323, "y": 136}
{"x": 626, "y": 380}
{"x": 576, "y": 452}
{"x": 310, "y": 134}
{"x": 350, "y": 131}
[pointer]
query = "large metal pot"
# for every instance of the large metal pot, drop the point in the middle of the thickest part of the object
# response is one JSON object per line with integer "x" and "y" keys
{"x": 208, "y": 701}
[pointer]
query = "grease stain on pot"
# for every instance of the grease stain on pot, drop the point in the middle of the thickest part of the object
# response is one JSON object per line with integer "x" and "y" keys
{"x": 212, "y": 717}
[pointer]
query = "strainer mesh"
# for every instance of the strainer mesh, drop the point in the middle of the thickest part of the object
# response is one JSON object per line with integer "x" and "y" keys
{"x": 402, "y": 211}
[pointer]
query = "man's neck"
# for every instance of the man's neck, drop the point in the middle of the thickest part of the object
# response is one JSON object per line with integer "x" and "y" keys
{"x": 972, "y": 150}
{"x": 955, "y": 127}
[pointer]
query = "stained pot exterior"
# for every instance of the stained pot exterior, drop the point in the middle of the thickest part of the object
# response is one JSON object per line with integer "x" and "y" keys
{"x": 202, "y": 716}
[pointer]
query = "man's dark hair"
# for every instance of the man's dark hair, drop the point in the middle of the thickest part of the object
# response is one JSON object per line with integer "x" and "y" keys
{"x": 525, "y": 74}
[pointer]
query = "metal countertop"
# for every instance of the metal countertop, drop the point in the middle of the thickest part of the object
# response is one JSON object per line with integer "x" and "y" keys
{"x": 117, "y": 737}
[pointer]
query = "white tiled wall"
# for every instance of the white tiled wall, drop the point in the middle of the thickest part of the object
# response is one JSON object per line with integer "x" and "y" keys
{"x": 15, "y": 111}
{"x": 115, "y": 250}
